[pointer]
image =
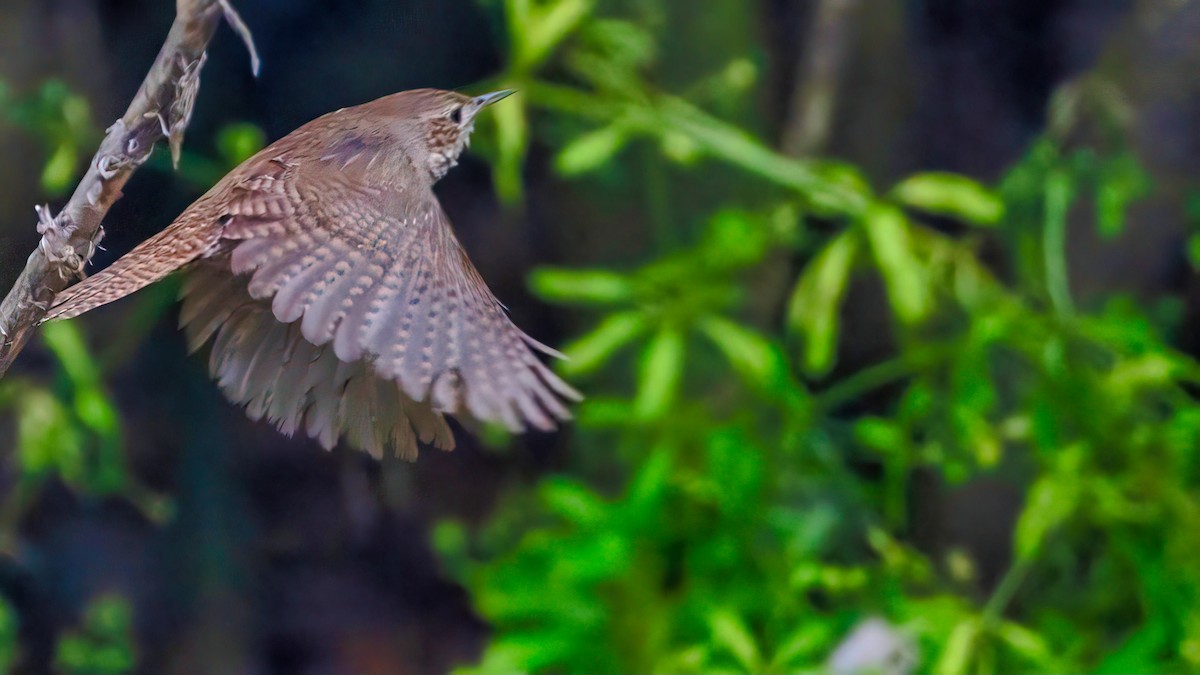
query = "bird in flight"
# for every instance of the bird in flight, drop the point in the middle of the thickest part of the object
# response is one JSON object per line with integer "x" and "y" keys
{"x": 338, "y": 300}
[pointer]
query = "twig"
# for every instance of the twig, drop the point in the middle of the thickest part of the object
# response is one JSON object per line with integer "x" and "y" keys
{"x": 161, "y": 109}
{"x": 1009, "y": 584}
{"x": 720, "y": 139}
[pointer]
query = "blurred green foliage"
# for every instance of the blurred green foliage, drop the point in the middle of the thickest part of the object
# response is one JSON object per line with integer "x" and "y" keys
{"x": 70, "y": 430}
{"x": 8, "y": 635}
{"x": 730, "y": 508}
{"x": 732, "y": 502}
{"x": 61, "y": 121}
{"x": 103, "y": 643}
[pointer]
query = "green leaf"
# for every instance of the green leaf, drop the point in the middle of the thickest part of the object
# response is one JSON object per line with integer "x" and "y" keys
{"x": 626, "y": 45}
{"x": 47, "y": 438}
{"x": 956, "y": 655}
{"x": 590, "y": 287}
{"x": 550, "y": 27}
{"x": 103, "y": 645}
{"x": 91, "y": 403}
{"x": 827, "y": 189}
{"x": 66, "y": 341}
{"x": 109, "y": 615}
{"x": 573, "y": 501}
{"x": 729, "y": 631}
{"x": 60, "y": 169}
{"x": 77, "y": 116}
{"x": 590, "y": 151}
{"x": 1140, "y": 652}
{"x": 603, "y": 554}
{"x": 888, "y": 232}
{"x": 740, "y": 465}
{"x": 1027, "y": 643}
{"x": 692, "y": 659}
{"x": 661, "y": 374}
{"x": 802, "y": 646}
{"x": 651, "y": 481}
{"x": 813, "y": 310}
{"x": 1060, "y": 189}
{"x": 1121, "y": 181}
{"x": 736, "y": 239}
{"x": 845, "y": 178}
{"x": 512, "y": 142}
{"x": 952, "y": 195}
{"x": 680, "y": 148}
{"x": 604, "y": 412}
{"x": 503, "y": 655}
{"x": 884, "y": 435}
{"x": 450, "y": 540}
{"x": 758, "y": 361}
{"x": 593, "y": 350}
{"x": 1050, "y": 502}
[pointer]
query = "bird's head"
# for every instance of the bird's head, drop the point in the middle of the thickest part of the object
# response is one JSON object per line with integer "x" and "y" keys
{"x": 436, "y": 125}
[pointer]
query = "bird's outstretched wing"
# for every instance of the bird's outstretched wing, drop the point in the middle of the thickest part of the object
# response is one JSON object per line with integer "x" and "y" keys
{"x": 376, "y": 273}
{"x": 300, "y": 387}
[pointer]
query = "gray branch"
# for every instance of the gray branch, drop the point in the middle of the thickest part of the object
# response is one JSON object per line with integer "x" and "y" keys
{"x": 161, "y": 110}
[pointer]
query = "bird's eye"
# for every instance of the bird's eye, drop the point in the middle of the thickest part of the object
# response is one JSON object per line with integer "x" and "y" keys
{"x": 456, "y": 115}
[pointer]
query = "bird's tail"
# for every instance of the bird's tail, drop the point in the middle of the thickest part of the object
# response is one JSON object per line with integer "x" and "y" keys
{"x": 153, "y": 259}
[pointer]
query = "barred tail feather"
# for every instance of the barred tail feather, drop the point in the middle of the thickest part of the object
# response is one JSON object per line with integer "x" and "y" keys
{"x": 152, "y": 260}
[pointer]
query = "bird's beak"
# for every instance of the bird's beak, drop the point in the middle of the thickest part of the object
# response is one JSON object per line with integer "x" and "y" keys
{"x": 481, "y": 102}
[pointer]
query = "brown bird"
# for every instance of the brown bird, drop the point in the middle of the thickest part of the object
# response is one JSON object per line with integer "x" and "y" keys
{"x": 341, "y": 302}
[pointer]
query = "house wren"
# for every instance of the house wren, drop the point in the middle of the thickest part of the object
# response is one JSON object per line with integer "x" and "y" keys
{"x": 341, "y": 303}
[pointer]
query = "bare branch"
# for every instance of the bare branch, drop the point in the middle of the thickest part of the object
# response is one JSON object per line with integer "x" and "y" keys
{"x": 235, "y": 22}
{"x": 161, "y": 109}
